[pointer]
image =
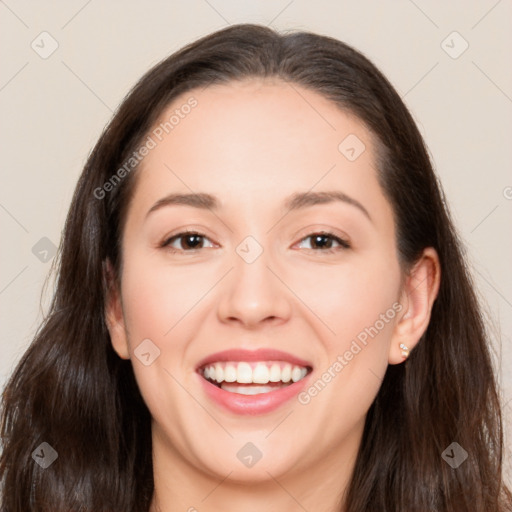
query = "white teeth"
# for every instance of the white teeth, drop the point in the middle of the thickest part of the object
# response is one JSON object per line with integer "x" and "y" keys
{"x": 256, "y": 373}
{"x": 244, "y": 373}
{"x": 286, "y": 374}
{"x": 219, "y": 373}
{"x": 296, "y": 373}
{"x": 229, "y": 373}
{"x": 275, "y": 373}
{"x": 260, "y": 374}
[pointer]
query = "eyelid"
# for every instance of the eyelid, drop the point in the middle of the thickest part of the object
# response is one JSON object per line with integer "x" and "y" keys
{"x": 180, "y": 233}
{"x": 342, "y": 241}
{"x": 316, "y": 229}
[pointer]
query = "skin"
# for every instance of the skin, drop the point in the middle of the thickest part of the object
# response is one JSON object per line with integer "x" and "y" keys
{"x": 252, "y": 144}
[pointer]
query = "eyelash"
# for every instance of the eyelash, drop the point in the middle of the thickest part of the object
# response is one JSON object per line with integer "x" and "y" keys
{"x": 342, "y": 242}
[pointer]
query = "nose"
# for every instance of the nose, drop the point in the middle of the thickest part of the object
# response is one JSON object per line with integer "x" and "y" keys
{"x": 254, "y": 293}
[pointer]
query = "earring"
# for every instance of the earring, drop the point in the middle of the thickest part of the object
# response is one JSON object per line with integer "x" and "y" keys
{"x": 405, "y": 351}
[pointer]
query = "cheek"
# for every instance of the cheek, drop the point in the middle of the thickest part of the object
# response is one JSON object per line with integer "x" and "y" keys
{"x": 358, "y": 304}
{"x": 350, "y": 301}
{"x": 348, "y": 297}
{"x": 157, "y": 297}
{"x": 156, "y": 304}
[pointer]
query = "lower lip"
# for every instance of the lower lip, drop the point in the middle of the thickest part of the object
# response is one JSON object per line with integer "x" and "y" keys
{"x": 252, "y": 404}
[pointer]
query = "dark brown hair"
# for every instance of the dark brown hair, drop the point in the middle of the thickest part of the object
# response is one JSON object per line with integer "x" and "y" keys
{"x": 71, "y": 390}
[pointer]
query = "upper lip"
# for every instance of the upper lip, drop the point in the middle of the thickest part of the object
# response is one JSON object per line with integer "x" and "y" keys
{"x": 262, "y": 354}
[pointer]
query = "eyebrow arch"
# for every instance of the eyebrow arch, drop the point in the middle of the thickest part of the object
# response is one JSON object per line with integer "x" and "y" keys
{"x": 305, "y": 199}
{"x": 296, "y": 201}
{"x": 196, "y": 200}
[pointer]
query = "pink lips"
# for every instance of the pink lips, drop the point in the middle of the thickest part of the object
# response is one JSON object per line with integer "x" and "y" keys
{"x": 252, "y": 404}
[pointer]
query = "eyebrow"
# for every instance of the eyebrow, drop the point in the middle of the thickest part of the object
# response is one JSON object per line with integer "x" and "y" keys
{"x": 296, "y": 201}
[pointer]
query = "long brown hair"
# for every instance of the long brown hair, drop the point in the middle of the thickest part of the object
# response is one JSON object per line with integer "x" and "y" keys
{"x": 72, "y": 391}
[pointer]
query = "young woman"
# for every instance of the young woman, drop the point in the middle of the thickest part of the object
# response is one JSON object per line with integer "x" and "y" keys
{"x": 262, "y": 304}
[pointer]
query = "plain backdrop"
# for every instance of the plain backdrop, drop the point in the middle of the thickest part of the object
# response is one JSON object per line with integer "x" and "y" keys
{"x": 66, "y": 66}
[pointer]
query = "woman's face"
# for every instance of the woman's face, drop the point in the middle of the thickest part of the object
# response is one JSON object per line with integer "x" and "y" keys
{"x": 261, "y": 294}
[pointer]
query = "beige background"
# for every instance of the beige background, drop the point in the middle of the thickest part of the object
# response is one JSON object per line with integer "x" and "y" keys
{"x": 54, "y": 108}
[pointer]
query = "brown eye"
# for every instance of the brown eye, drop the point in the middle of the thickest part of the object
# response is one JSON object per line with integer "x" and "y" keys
{"x": 323, "y": 242}
{"x": 186, "y": 241}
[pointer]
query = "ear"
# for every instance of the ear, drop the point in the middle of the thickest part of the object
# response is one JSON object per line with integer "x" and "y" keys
{"x": 114, "y": 312}
{"x": 417, "y": 298}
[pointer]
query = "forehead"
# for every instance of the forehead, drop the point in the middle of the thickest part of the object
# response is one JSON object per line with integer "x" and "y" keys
{"x": 242, "y": 141}
{"x": 268, "y": 117}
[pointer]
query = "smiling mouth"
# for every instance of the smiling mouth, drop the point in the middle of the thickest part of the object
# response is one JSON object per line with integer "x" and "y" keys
{"x": 253, "y": 378}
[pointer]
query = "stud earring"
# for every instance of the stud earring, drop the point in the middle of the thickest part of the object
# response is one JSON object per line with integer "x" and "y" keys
{"x": 405, "y": 351}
